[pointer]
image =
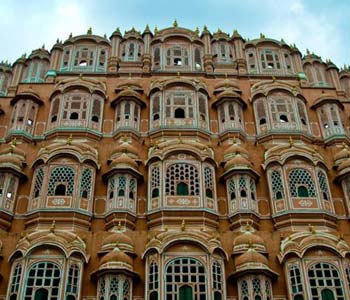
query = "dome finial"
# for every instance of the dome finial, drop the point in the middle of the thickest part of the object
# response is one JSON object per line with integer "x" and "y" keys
{"x": 53, "y": 226}
{"x": 175, "y": 24}
{"x": 89, "y": 30}
{"x": 183, "y": 225}
{"x": 69, "y": 140}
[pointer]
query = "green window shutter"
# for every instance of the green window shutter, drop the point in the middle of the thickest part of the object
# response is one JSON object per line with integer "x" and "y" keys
{"x": 327, "y": 295}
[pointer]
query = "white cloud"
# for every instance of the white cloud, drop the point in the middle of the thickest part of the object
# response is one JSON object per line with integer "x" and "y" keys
{"x": 307, "y": 29}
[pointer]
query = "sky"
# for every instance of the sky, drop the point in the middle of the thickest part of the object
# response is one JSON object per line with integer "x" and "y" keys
{"x": 322, "y": 26}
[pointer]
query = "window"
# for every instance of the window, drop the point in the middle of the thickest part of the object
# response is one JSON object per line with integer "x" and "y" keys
{"x": 114, "y": 287}
{"x": 182, "y": 179}
{"x": 296, "y": 283}
{"x": 281, "y": 112}
{"x": 241, "y": 192}
{"x": 217, "y": 276}
{"x": 325, "y": 282}
{"x": 131, "y": 51}
{"x": 197, "y": 59}
{"x": 252, "y": 61}
{"x": 43, "y": 282}
{"x": 8, "y": 189}
{"x": 4, "y": 82}
{"x": 36, "y": 70}
{"x": 222, "y": 52}
{"x": 330, "y": 119}
{"x": 122, "y": 192}
{"x": 84, "y": 57}
{"x": 270, "y": 60}
{"x": 76, "y": 109}
{"x": 256, "y": 287}
{"x": 301, "y": 184}
{"x": 153, "y": 281}
{"x": 72, "y": 286}
{"x": 156, "y": 59}
{"x": 155, "y": 182}
{"x": 15, "y": 282}
{"x": 23, "y": 116}
{"x": 185, "y": 278}
{"x": 277, "y": 185}
{"x": 177, "y": 57}
{"x": 230, "y": 116}
{"x": 127, "y": 115}
{"x": 179, "y": 108}
{"x": 86, "y": 184}
{"x": 61, "y": 182}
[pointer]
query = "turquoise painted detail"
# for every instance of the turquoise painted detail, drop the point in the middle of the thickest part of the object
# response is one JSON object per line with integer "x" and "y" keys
{"x": 302, "y": 76}
{"x": 52, "y": 73}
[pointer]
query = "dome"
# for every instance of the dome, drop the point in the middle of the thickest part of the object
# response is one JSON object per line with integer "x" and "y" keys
{"x": 120, "y": 238}
{"x": 124, "y": 160}
{"x": 248, "y": 238}
{"x": 237, "y": 161}
{"x": 126, "y": 148}
{"x": 344, "y": 165}
{"x": 342, "y": 154}
{"x": 11, "y": 160}
{"x": 117, "y": 257}
{"x": 251, "y": 257}
{"x": 235, "y": 149}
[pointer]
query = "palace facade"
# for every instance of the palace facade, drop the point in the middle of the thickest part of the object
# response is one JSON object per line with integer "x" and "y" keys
{"x": 174, "y": 164}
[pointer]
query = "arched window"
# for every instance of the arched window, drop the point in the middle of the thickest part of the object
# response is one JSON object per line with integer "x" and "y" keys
{"x": 241, "y": 192}
{"x": 179, "y": 113}
{"x": 183, "y": 178}
{"x": 296, "y": 283}
{"x": 208, "y": 182}
{"x": 61, "y": 181}
{"x": 182, "y": 189}
{"x": 197, "y": 59}
{"x": 217, "y": 278}
{"x": 153, "y": 281}
{"x": 156, "y": 59}
{"x": 60, "y": 190}
{"x": 244, "y": 291}
{"x": 185, "y": 292}
{"x": 54, "y": 109}
{"x": 121, "y": 186}
{"x": 45, "y": 275}
{"x": 114, "y": 287}
{"x": 301, "y": 184}
{"x": 72, "y": 285}
{"x": 277, "y": 185}
{"x": 323, "y": 183}
{"x": 23, "y": 116}
{"x": 155, "y": 182}
{"x": 122, "y": 192}
{"x": 76, "y": 109}
{"x": 181, "y": 274}
{"x": 257, "y": 292}
{"x": 86, "y": 184}
{"x": 325, "y": 282}
{"x": 270, "y": 60}
{"x": 15, "y": 282}
{"x": 39, "y": 177}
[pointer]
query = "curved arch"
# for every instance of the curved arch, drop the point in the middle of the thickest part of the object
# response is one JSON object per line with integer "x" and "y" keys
{"x": 281, "y": 154}
{"x": 91, "y": 86}
{"x": 87, "y": 37}
{"x": 57, "y": 239}
{"x": 83, "y": 153}
{"x": 194, "y": 84}
{"x": 207, "y": 244}
{"x": 267, "y": 87}
{"x": 299, "y": 243}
